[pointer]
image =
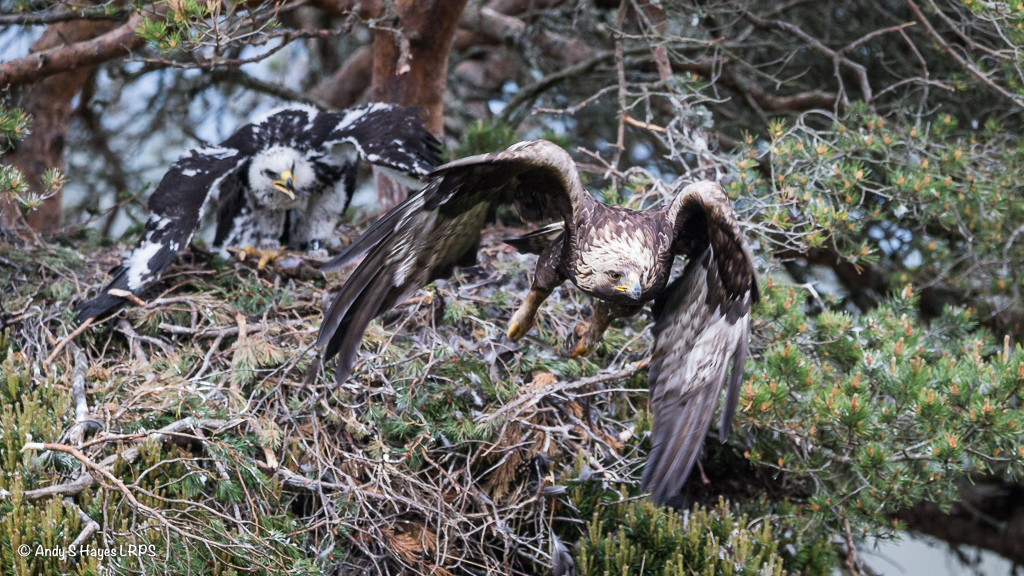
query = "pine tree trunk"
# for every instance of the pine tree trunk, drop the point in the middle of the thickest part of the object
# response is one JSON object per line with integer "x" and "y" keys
{"x": 49, "y": 104}
{"x": 410, "y": 67}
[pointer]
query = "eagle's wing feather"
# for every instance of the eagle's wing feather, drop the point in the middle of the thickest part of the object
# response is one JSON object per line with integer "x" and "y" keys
{"x": 535, "y": 242}
{"x": 382, "y": 134}
{"x": 438, "y": 228}
{"x": 700, "y": 335}
{"x": 175, "y": 211}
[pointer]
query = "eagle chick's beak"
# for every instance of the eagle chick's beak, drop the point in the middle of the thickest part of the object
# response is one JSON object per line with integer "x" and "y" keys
{"x": 631, "y": 286}
{"x": 286, "y": 184}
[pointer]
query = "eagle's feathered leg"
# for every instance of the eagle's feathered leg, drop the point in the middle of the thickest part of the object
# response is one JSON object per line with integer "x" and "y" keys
{"x": 546, "y": 278}
{"x": 526, "y": 314}
{"x": 600, "y": 319}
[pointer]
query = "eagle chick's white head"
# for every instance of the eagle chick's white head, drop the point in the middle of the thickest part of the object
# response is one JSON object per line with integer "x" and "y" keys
{"x": 278, "y": 174}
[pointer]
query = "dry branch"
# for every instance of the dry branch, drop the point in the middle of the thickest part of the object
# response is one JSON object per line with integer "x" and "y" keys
{"x": 69, "y": 338}
{"x": 86, "y": 479}
{"x": 89, "y": 526}
{"x": 39, "y": 65}
{"x": 107, "y": 475}
{"x": 985, "y": 79}
{"x": 818, "y": 46}
{"x": 77, "y": 432}
{"x": 532, "y": 398}
{"x": 34, "y": 19}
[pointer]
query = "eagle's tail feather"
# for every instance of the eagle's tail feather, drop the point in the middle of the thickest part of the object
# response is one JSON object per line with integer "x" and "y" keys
{"x": 338, "y": 312}
{"x": 366, "y": 307}
{"x": 674, "y": 449}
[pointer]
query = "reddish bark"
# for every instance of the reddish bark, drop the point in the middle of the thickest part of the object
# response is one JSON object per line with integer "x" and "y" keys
{"x": 69, "y": 46}
{"x": 410, "y": 67}
{"x": 60, "y": 48}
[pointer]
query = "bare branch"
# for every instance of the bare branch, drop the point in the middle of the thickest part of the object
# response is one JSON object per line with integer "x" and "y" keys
{"x": 814, "y": 43}
{"x": 39, "y": 65}
{"x": 287, "y": 37}
{"x": 86, "y": 479}
{"x": 960, "y": 60}
{"x": 37, "y": 19}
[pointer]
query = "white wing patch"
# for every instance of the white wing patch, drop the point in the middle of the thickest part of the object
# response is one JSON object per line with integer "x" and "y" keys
{"x": 138, "y": 263}
{"x": 353, "y": 115}
{"x": 217, "y": 152}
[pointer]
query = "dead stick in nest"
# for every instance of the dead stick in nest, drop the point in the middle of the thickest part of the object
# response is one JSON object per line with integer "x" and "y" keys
{"x": 77, "y": 432}
{"x": 123, "y": 489}
{"x": 225, "y": 331}
{"x": 240, "y": 345}
{"x": 536, "y": 395}
{"x": 294, "y": 480}
{"x": 86, "y": 479}
{"x": 114, "y": 480}
{"x": 90, "y": 526}
{"x": 60, "y": 345}
{"x": 198, "y": 332}
{"x": 130, "y": 296}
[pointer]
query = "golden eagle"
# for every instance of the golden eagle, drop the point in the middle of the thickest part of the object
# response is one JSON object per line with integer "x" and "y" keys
{"x": 621, "y": 257}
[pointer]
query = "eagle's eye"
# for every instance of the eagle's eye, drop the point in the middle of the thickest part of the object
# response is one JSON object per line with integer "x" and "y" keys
{"x": 270, "y": 174}
{"x": 615, "y": 276}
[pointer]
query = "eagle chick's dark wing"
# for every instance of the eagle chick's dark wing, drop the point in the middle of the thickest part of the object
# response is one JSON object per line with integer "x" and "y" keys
{"x": 700, "y": 335}
{"x": 438, "y": 228}
{"x": 382, "y": 134}
{"x": 175, "y": 210}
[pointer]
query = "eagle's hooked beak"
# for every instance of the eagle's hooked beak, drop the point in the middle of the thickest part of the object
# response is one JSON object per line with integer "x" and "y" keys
{"x": 631, "y": 286}
{"x": 286, "y": 184}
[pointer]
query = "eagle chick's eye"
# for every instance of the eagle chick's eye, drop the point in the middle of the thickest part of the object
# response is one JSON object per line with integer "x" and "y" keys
{"x": 270, "y": 174}
{"x": 616, "y": 276}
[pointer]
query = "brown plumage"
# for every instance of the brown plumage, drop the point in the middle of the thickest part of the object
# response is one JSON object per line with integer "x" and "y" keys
{"x": 621, "y": 257}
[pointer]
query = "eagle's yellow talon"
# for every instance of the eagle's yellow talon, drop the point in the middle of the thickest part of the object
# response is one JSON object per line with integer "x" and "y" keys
{"x": 581, "y": 350}
{"x": 514, "y": 333}
{"x": 265, "y": 256}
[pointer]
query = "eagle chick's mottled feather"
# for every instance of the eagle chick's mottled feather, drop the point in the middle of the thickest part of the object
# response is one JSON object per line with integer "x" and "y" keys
{"x": 286, "y": 178}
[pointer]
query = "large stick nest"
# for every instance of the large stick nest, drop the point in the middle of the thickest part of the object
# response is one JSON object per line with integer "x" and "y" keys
{"x": 450, "y": 450}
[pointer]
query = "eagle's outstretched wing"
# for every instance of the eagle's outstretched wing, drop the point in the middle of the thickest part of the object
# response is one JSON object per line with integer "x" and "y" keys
{"x": 700, "y": 335}
{"x": 175, "y": 210}
{"x": 438, "y": 228}
{"x": 176, "y": 205}
{"x": 382, "y": 134}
